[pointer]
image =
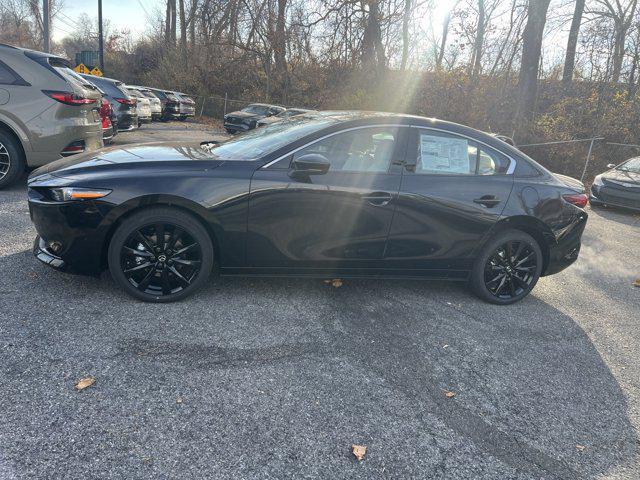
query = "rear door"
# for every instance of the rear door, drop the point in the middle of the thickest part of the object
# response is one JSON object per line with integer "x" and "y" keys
{"x": 453, "y": 191}
{"x": 338, "y": 220}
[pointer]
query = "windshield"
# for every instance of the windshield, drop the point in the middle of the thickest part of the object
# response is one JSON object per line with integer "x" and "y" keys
{"x": 632, "y": 165}
{"x": 257, "y": 109}
{"x": 260, "y": 142}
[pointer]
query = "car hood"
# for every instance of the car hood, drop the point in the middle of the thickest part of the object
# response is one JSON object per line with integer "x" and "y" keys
{"x": 160, "y": 156}
{"x": 621, "y": 177}
{"x": 241, "y": 114}
{"x": 570, "y": 182}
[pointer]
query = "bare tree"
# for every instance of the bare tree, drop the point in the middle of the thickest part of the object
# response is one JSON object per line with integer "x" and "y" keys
{"x": 572, "y": 42}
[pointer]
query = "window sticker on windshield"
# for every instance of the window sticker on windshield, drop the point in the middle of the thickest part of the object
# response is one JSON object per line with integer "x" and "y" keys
{"x": 444, "y": 154}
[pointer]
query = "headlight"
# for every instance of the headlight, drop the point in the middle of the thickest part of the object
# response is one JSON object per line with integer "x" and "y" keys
{"x": 66, "y": 194}
{"x": 598, "y": 180}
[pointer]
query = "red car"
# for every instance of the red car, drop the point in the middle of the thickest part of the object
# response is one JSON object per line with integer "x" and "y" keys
{"x": 106, "y": 115}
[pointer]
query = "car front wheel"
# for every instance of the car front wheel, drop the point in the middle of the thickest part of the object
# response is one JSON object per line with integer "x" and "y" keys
{"x": 507, "y": 268}
{"x": 161, "y": 255}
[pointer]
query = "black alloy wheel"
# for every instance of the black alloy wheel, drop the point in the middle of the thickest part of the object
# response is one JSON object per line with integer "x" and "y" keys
{"x": 507, "y": 268}
{"x": 510, "y": 270}
{"x": 161, "y": 255}
{"x": 5, "y": 161}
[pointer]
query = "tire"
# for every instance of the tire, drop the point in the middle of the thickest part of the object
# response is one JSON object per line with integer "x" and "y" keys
{"x": 12, "y": 161}
{"x": 595, "y": 203}
{"x": 176, "y": 268}
{"x": 520, "y": 270}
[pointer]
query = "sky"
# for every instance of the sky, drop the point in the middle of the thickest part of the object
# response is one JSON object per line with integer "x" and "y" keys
{"x": 123, "y": 14}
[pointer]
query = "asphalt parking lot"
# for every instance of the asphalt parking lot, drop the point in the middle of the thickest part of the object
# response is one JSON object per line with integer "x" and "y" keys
{"x": 277, "y": 378}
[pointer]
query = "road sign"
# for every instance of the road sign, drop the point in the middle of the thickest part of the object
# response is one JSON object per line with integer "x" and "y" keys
{"x": 97, "y": 72}
{"x": 81, "y": 69}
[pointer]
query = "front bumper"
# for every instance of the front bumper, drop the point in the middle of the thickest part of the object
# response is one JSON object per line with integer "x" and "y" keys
{"x": 615, "y": 197}
{"x": 77, "y": 229}
{"x": 237, "y": 127}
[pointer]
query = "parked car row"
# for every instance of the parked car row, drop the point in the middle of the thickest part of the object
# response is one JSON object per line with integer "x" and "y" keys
{"x": 259, "y": 115}
{"x": 48, "y": 111}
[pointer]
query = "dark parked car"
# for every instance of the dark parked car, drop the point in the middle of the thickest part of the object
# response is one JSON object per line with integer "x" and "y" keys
{"x": 46, "y": 112}
{"x": 336, "y": 195}
{"x": 123, "y": 104}
{"x": 619, "y": 186}
{"x": 248, "y": 117}
{"x": 288, "y": 113}
{"x": 170, "y": 104}
{"x": 187, "y": 105}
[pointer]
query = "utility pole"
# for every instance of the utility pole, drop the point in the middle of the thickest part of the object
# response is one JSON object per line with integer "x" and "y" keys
{"x": 46, "y": 21}
{"x": 100, "y": 39}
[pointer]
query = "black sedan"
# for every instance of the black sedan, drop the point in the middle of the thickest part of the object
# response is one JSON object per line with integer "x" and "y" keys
{"x": 333, "y": 195}
{"x": 248, "y": 117}
{"x": 618, "y": 187}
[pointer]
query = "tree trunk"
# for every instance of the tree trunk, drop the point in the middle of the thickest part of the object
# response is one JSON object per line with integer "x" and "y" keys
{"x": 167, "y": 23}
{"x": 570, "y": 57}
{"x": 618, "y": 51}
{"x": 531, "y": 50}
{"x": 479, "y": 41}
{"x": 183, "y": 30}
{"x": 408, "y": 9}
{"x": 373, "y": 56}
{"x": 443, "y": 41}
{"x": 280, "y": 47}
{"x": 173, "y": 22}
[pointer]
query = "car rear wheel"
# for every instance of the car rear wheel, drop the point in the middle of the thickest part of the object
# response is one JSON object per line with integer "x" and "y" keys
{"x": 161, "y": 255}
{"x": 507, "y": 268}
{"x": 12, "y": 163}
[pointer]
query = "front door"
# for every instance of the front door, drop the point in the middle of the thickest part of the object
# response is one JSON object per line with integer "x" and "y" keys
{"x": 453, "y": 191}
{"x": 336, "y": 220}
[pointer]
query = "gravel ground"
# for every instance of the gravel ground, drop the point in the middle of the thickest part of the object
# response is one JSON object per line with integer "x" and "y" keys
{"x": 277, "y": 378}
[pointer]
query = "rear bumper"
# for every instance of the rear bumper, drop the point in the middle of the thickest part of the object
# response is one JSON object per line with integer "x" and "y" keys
{"x": 567, "y": 247}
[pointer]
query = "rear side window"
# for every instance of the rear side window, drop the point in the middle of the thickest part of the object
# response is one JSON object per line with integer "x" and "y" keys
{"x": 9, "y": 77}
{"x": 439, "y": 153}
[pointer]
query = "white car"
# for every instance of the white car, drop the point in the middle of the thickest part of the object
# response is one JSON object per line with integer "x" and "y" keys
{"x": 156, "y": 103}
{"x": 144, "y": 105}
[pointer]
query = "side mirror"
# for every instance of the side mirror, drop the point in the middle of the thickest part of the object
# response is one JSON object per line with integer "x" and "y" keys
{"x": 611, "y": 165}
{"x": 310, "y": 164}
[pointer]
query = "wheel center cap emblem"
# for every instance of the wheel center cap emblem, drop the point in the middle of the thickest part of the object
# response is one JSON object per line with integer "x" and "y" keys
{"x": 162, "y": 258}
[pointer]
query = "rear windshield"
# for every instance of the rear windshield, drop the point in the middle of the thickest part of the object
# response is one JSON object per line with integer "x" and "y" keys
{"x": 160, "y": 95}
{"x": 148, "y": 94}
{"x": 262, "y": 141}
{"x": 62, "y": 67}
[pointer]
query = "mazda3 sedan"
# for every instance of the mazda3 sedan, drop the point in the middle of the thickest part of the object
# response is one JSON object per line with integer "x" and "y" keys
{"x": 330, "y": 195}
{"x": 618, "y": 187}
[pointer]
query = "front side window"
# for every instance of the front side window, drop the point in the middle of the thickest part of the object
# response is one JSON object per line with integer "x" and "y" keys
{"x": 360, "y": 150}
{"x": 439, "y": 153}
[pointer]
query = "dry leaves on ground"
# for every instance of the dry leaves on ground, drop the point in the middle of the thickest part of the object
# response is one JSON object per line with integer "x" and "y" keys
{"x": 580, "y": 447}
{"x": 85, "y": 383}
{"x": 449, "y": 394}
{"x": 359, "y": 451}
{"x": 637, "y": 282}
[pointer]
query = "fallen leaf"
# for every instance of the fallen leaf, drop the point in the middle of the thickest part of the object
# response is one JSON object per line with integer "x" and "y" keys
{"x": 84, "y": 383}
{"x": 637, "y": 282}
{"x": 359, "y": 451}
{"x": 336, "y": 282}
{"x": 445, "y": 346}
{"x": 580, "y": 447}
{"x": 449, "y": 394}
{"x": 179, "y": 400}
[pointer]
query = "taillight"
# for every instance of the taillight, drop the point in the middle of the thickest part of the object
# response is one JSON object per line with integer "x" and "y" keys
{"x": 577, "y": 199}
{"x": 68, "y": 98}
{"x": 126, "y": 101}
{"x": 105, "y": 109}
{"x": 106, "y": 122}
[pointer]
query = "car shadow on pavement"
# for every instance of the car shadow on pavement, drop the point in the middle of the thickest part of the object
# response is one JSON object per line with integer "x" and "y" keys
{"x": 530, "y": 397}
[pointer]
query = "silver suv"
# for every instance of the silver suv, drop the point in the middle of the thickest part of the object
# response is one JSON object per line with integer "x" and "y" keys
{"x": 46, "y": 112}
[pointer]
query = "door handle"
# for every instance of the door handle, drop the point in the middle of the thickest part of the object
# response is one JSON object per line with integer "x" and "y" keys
{"x": 487, "y": 200}
{"x": 378, "y": 199}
